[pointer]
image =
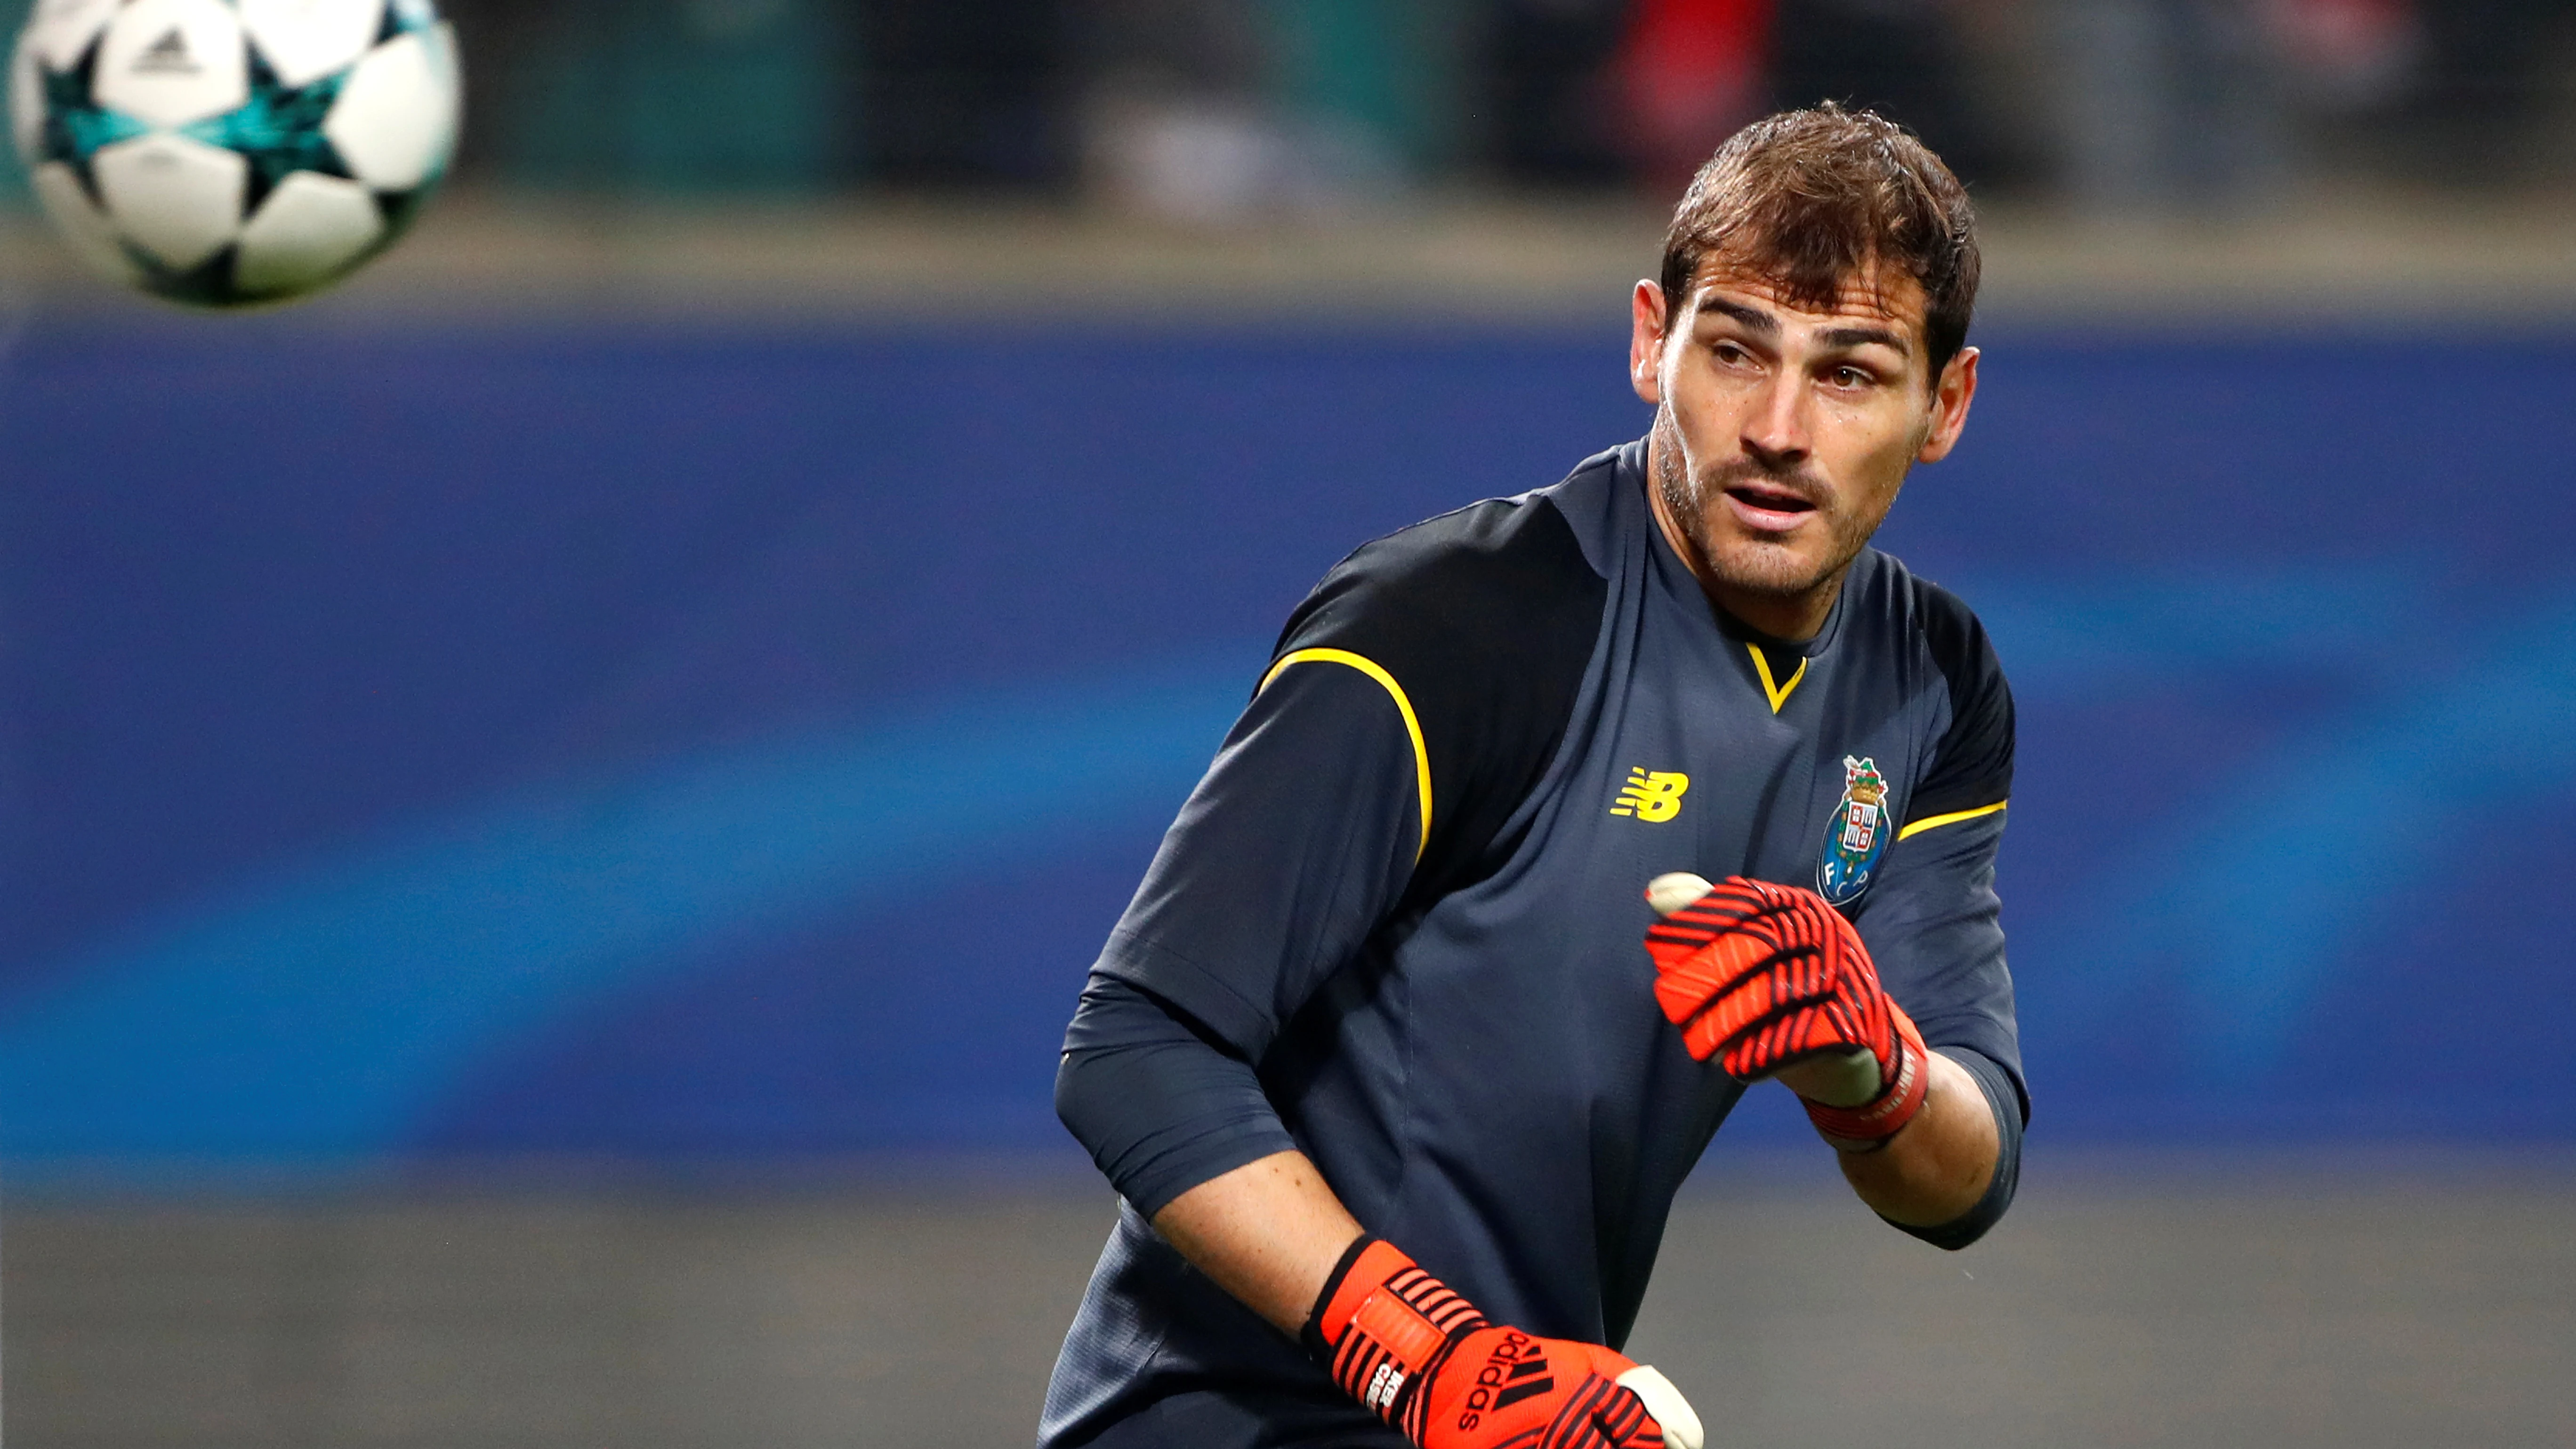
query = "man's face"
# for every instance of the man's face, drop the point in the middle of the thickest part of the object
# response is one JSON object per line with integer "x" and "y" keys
{"x": 1782, "y": 433}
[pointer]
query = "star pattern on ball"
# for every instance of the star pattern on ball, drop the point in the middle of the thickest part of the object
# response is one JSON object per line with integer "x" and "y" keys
{"x": 278, "y": 130}
{"x": 177, "y": 158}
{"x": 76, "y": 126}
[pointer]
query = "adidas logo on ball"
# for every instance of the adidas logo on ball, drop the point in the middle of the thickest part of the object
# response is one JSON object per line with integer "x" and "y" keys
{"x": 167, "y": 56}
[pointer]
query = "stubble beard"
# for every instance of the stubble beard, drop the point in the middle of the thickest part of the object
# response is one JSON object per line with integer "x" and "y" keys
{"x": 1768, "y": 570}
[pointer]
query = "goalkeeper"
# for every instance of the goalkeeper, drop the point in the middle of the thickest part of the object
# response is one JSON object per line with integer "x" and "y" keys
{"x": 1391, "y": 1059}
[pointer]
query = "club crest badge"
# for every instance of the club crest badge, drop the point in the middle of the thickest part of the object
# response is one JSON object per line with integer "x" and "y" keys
{"x": 1857, "y": 836}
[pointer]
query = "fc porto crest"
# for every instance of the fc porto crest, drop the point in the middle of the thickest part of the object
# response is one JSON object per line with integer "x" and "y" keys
{"x": 1858, "y": 836}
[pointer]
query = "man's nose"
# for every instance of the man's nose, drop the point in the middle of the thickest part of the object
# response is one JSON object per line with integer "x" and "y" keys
{"x": 1775, "y": 432}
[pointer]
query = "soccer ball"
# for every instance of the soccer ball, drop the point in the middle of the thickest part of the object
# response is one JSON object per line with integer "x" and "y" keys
{"x": 224, "y": 152}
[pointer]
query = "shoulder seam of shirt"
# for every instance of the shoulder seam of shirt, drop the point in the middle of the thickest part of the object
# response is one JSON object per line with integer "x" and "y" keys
{"x": 1970, "y": 769}
{"x": 1489, "y": 615}
{"x": 1917, "y": 827}
{"x": 1403, "y": 706}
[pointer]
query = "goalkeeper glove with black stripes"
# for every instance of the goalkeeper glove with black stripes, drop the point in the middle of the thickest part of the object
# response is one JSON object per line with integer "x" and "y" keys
{"x": 1422, "y": 1358}
{"x": 1772, "y": 981}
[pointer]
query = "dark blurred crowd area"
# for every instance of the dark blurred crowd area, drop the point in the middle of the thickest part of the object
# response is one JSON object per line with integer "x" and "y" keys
{"x": 1220, "y": 111}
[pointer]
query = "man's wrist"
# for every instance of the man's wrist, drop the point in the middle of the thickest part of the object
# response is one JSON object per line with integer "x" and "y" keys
{"x": 1870, "y": 1126}
{"x": 1382, "y": 1327}
{"x": 1317, "y": 1343}
{"x": 1940, "y": 1165}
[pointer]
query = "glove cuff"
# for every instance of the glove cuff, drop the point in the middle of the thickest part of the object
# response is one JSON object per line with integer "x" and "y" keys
{"x": 1317, "y": 1343}
{"x": 1868, "y": 1126}
{"x": 1381, "y": 1327}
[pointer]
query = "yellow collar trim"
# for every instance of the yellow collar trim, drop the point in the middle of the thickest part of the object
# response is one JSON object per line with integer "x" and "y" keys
{"x": 1778, "y": 694}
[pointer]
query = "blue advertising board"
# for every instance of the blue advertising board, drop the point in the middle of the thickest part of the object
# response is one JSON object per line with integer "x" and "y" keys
{"x": 676, "y": 745}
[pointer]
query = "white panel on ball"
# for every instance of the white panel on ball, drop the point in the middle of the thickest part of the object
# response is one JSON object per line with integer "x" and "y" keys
{"x": 396, "y": 116}
{"x": 173, "y": 62}
{"x": 309, "y": 230}
{"x": 178, "y": 199}
{"x": 61, "y": 30}
{"x": 306, "y": 40}
{"x": 91, "y": 236}
{"x": 26, "y": 103}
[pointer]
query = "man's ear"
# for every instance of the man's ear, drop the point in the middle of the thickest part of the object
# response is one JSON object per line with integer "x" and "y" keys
{"x": 1951, "y": 395}
{"x": 1646, "y": 342}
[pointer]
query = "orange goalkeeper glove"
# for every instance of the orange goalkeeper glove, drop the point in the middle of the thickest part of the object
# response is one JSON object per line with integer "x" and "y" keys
{"x": 1772, "y": 981}
{"x": 1423, "y": 1359}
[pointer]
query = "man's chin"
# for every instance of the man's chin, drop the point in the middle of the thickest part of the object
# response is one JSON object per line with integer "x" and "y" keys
{"x": 1765, "y": 568}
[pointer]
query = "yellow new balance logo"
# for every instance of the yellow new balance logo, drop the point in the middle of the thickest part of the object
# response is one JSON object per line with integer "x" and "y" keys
{"x": 1654, "y": 795}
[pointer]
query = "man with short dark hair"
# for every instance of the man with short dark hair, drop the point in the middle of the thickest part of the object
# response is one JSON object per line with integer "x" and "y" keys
{"x": 1396, "y": 1104}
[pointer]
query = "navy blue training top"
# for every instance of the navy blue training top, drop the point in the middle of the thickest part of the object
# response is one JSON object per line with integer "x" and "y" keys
{"x": 1397, "y": 927}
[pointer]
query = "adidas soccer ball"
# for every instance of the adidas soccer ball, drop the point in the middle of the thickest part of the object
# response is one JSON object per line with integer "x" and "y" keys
{"x": 223, "y": 152}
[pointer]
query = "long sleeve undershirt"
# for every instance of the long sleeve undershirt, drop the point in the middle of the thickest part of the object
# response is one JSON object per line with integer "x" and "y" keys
{"x": 1163, "y": 1107}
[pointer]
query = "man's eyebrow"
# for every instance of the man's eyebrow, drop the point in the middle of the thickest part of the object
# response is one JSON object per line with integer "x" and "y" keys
{"x": 1862, "y": 337}
{"x": 1764, "y": 324}
{"x": 1753, "y": 318}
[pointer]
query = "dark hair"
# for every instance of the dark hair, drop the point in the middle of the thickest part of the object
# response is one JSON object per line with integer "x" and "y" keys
{"x": 1810, "y": 200}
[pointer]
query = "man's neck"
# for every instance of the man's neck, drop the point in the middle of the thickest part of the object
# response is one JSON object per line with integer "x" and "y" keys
{"x": 1788, "y": 620}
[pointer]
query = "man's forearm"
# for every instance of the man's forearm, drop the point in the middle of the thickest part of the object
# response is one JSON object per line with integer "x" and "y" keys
{"x": 1938, "y": 1167}
{"x": 1269, "y": 1232}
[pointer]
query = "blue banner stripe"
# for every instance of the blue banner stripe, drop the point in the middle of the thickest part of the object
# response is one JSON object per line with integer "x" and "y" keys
{"x": 320, "y": 1014}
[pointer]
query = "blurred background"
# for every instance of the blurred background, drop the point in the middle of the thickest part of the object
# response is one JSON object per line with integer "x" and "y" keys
{"x": 507, "y": 772}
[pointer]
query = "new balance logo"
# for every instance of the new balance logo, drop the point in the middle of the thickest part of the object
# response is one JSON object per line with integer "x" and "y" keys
{"x": 167, "y": 56}
{"x": 1652, "y": 795}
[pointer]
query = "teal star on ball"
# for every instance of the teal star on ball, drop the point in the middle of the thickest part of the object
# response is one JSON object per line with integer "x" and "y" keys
{"x": 76, "y": 126}
{"x": 278, "y": 131}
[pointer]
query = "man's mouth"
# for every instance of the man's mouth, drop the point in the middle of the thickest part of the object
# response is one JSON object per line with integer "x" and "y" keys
{"x": 1768, "y": 509}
